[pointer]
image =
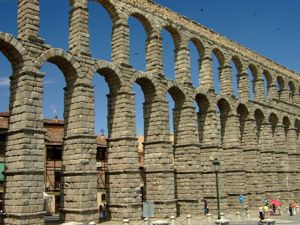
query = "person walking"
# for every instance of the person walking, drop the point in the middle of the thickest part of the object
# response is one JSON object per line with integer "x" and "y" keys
{"x": 291, "y": 209}
{"x": 261, "y": 215}
{"x": 206, "y": 210}
{"x": 266, "y": 210}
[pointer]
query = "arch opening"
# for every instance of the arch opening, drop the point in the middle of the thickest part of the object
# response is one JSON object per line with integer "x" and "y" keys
{"x": 175, "y": 99}
{"x": 138, "y": 36}
{"x": 286, "y": 125}
{"x": 267, "y": 82}
{"x": 217, "y": 61}
{"x": 5, "y": 73}
{"x": 170, "y": 44}
{"x": 224, "y": 109}
{"x": 53, "y": 109}
{"x": 273, "y": 120}
{"x": 105, "y": 83}
{"x": 259, "y": 118}
{"x": 100, "y": 32}
{"x": 251, "y": 83}
{"x": 196, "y": 52}
{"x": 234, "y": 73}
{"x": 291, "y": 90}
{"x": 53, "y": 96}
{"x": 280, "y": 86}
{"x": 203, "y": 106}
{"x": 243, "y": 114}
{"x": 9, "y": 12}
{"x": 58, "y": 24}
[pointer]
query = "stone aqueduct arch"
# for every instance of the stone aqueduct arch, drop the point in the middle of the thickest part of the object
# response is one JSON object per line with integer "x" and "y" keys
{"x": 251, "y": 138}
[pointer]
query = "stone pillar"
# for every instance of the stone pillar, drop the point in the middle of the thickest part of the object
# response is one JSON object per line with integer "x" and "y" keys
{"x": 210, "y": 140}
{"x": 123, "y": 175}
{"x": 79, "y": 43}
{"x": 187, "y": 160}
{"x": 120, "y": 42}
{"x": 28, "y": 19}
{"x": 252, "y": 164}
{"x": 297, "y": 158}
{"x": 158, "y": 163}
{"x": 284, "y": 94}
{"x": 296, "y": 99}
{"x": 272, "y": 91}
{"x": 79, "y": 172}
{"x": 258, "y": 85}
{"x": 24, "y": 160}
{"x": 182, "y": 63}
{"x": 281, "y": 162}
{"x": 232, "y": 160}
{"x": 266, "y": 160}
{"x": 243, "y": 85}
{"x": 292, "y": 147}
{"x": 154, "y": 53}
{"x": 225, "y": 72}
{"x": 206, "y": 76}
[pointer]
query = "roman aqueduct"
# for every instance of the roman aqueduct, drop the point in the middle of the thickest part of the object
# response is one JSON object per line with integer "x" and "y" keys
{"x": 252, "y": 138}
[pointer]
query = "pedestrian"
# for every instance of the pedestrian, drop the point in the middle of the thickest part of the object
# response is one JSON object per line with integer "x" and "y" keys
{"x": 206, "y": 209}
{"x": 291, "y": 209}
{"x": 105, "y": 209}
{"x": 261, "y": 215}
{"x": 101, "y": 213}
{"x": 274, "y": 209}
{"x": 266, "y": 209}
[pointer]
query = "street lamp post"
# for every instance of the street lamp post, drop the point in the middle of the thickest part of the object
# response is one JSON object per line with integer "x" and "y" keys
{"x": 216, "y": 165}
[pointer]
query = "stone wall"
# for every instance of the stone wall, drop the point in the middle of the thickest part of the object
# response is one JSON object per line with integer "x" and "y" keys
{"x": 256, "y": 140}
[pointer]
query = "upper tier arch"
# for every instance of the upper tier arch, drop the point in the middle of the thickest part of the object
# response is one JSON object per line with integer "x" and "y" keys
{"x": 15, "y": 52}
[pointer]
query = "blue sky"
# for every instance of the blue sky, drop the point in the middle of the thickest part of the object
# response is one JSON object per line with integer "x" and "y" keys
{"x": 269, "y": 27}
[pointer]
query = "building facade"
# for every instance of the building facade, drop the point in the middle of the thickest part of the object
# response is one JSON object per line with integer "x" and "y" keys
{"x": 54, "y": 130}
{"x": 251, "y": 137}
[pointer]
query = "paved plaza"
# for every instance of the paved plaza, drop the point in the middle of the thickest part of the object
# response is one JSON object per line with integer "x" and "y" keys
{"x": 203, "y": 220}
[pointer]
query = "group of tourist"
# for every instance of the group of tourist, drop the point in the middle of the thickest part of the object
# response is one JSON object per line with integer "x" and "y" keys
{"x": 270, "y": 209}
{"x": 102, "y": 212}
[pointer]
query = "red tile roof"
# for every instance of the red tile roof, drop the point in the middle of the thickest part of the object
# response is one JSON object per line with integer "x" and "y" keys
{"x": 54, "y": 130}
{"x": 4, "y": 116}
{"x": 101, "y": 141}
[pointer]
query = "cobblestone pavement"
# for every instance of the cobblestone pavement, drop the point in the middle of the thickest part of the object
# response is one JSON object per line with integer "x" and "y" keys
{"x": 202, "y": 220}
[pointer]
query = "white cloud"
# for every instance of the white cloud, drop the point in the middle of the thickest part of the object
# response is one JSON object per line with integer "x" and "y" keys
{"x": 4, "y": 81}
{"x": 50, "y": 81}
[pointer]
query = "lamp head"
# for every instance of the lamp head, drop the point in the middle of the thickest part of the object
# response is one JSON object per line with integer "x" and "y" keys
{"x": 216, "y": 165}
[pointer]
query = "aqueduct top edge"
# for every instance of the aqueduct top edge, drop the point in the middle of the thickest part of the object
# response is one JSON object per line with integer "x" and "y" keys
{"x": 196, "y": 28}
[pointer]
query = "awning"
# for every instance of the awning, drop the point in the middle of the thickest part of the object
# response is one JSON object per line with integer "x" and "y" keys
{"x": 1, "y": 170}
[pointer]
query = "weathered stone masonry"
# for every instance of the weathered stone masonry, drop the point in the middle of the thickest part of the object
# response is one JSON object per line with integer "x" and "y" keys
{"x": 252, "y": 138}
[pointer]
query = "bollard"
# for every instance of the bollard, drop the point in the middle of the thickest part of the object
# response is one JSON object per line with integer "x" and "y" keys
{"x": 172, "y": 220}
{"x": 268, "y": 222}
{"x": 248, "y": 214}
{"x": 222, "y": 222}
{"x": 279, "y": 211}
{"x": 222, "y": 216}
{"x": 126, "y": 222}
{"x": 189, "y": 219}
{"x": 209, "y": 218}
{"x": 160, "y": 222}
{"x": 72, "y": 223}
{"x": 238, "y": 216}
